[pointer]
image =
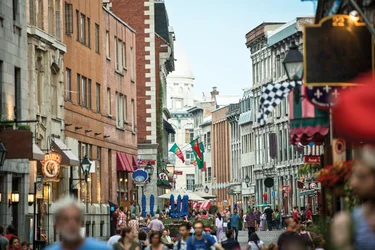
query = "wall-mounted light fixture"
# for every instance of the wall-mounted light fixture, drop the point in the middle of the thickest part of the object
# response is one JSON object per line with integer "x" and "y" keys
{"x": 0, "y": 196}
{"x": 30, "y": 199}
{"x": 14, "y": 198}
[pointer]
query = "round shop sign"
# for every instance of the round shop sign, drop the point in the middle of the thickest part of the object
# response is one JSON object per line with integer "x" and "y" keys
{"x": 313, "y": 186}
{"x": 51, "y": 167}
{"x": 139, "y": 177}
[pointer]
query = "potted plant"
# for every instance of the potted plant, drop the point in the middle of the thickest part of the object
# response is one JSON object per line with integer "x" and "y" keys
{"x": 24, "y": 127}
{"x": 7, "y": 124}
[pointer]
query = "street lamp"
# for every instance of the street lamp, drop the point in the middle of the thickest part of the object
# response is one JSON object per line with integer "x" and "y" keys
{"x": 85, "y": 166}
{"x": 206, "y": 189}
{"x": 3, "y": 154}
{"x": 293, "y": 65}
{"x": 170, "y": 168}
{"x": 15, "y": 197}
{"x": 247, "y": 180}
{"x": 30, "y": 199}
{"x": 150, "y": 170}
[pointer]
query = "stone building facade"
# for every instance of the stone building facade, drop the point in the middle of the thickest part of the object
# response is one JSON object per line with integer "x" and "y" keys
{"x": 14, "y": 103}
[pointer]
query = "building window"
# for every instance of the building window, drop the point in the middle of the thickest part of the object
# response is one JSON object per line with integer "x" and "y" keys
{"x": 88, "y": 33}
{"x": 119, "y": 55}
{"x": 84, "y": 91}
{"x": 68, "y": 18}
{"x": 68, "y": 90}
{"x": 125, "y": 109}
{"x": 15, "y": 9}
{"x": 78, "y": 89}
{"x": 133, "y": 116}
{"x": 189, "y": 155}
{"x": 98, "y": 97}
{"x": 172, "y": 138}
{"x": 107, "y": 44}
{"x": 208, "y": 138}
{"x": 189, "y": 135}
{"x": 51, "y": 12}
{"x": 89, "y": 94}
{"x": 209, "y": 174}
{"x": 31, "y": 12}
{"x": 38, "y": 13}
{"x": 190, "y": 182}
{"x": 77, "y": 24}
{"x": 54, "y": 99}
{"x": 82, "y": 24}
{"x": 97, "y": 45}
{"x": 109, "y": 101}
{"x": 57, "y": 20}
{"x": 119, "y": 110}
{"x": 132, "y": 64}
{"x": 1, "y": 86}
{"x": 17, "y": 91}
{"x": 124, "y": 55}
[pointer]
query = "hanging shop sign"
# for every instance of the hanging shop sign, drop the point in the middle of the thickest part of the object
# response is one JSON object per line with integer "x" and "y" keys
{"x": 336, "y": 51}
{"x": 313, "y": 185}
{"x": 51, "y": 167}
{"x": 139, "y": 177}
{"x": 312, "y": 159}
{"x": 163, "y": 180}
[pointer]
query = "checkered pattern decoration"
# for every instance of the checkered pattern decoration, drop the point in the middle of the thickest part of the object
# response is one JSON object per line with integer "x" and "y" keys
{"x": 272, "y": 94}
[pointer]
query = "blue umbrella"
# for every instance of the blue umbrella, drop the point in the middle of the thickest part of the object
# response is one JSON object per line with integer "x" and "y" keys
{"x": 183, "y": 208}
{"x": 152, "y": 201}
{"x": 179, "y": 206}
{"x": 172, "y": 206}
{"x": 143, "y": 206}
{"x": 186, "y": 210}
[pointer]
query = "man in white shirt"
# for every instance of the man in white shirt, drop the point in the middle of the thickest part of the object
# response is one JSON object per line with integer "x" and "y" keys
{"x": 114, "y": 239}
{"x": 185, "y": 234}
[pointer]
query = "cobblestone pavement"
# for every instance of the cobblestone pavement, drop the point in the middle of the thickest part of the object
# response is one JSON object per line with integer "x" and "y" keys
{"x": 266, "y": 237}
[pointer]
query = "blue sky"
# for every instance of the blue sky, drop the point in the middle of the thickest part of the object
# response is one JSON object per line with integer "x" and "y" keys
{"x": 213, "y": 32}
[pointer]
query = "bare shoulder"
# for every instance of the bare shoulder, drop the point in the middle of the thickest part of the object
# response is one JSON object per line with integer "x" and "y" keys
{"x": 341, "y": 231}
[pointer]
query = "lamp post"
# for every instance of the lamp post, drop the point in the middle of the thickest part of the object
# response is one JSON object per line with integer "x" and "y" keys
{"x": 293, "y": 65}
{"x": 150, "y": 170}
{"x": 206, "y": 189}
{"x": 3, "y": 154}
{"x": 247, "y": 180}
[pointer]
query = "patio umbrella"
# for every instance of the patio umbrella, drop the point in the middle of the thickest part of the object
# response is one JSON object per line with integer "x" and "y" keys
{"x": 192, "y": 196}
{"x": 152, "y": 201}
{"x": 172, "y": 206}
{"x": 144, "y": 206}
{"x": 178, "y": 206}
{"x": 186, "y": 206}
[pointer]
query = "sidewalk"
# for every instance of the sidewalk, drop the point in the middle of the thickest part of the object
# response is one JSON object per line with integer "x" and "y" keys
{"x": 266, "y": 236}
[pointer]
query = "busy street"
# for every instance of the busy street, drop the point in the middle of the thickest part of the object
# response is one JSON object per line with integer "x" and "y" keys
{"x": 187, "y": 124}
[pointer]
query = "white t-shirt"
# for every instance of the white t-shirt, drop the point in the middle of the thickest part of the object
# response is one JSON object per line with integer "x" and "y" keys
{"x": 113, "y": 240}
{"x": 218, "y": 222}
{"x": 253, "y": 246}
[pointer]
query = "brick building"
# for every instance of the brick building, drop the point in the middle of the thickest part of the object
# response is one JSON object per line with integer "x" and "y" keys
{"x": 100, "y": 110}
{"x": 221, "y": 155}
{"x": 154, "y": 57}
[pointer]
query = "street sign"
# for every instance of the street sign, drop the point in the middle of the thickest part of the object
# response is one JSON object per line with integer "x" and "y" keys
{"x": 312, "y": 159}
{"x": 273, "y": 194}
{"x": 336, "y": 51}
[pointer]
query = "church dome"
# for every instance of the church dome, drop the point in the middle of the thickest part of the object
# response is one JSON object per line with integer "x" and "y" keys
{"x": 182, "y": 64}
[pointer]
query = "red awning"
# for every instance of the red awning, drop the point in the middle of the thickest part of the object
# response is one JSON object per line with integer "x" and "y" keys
{"x": 135, "y": 162}
{"x": 124, "y": 162}
{"x": 120, "y": 162}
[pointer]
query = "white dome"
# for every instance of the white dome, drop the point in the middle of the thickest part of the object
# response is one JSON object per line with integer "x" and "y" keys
{"x": 182, "y": 64}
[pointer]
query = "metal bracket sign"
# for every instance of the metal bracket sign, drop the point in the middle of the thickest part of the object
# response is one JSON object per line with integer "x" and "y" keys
{"x": 336, "y": 51}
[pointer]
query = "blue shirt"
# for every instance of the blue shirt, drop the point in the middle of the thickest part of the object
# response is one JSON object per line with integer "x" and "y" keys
{"x": 200, "y": 244}
{"x": 234, "y": 220}
{"x": 88, "y": 244}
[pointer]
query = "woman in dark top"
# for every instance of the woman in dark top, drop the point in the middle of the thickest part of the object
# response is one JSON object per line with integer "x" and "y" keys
{"x": 126, "y": 242}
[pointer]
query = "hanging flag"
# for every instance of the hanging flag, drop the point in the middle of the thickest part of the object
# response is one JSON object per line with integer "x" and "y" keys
{"x": 195, "y": 145}
{"x": 200, "y": 160}
{"x": 177, "y": 151}
{"x": 204, "y": 167}
{"x": 194, "y": 163}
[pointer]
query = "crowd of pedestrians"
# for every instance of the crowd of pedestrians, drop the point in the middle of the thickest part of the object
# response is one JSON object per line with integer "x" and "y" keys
{"x": 10, "y": 241}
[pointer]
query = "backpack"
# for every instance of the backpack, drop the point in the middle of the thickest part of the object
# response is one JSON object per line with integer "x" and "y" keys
{"x": 193, "y": 241}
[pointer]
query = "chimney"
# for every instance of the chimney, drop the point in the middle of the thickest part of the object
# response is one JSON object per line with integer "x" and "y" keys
{"x": 214, "y": 93}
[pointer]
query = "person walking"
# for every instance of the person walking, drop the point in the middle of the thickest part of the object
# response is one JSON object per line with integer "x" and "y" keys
{"x": 4, "y": 242}
{"x": 290, "y": 235}
{"x": 255, "y": 243}
{"x": 230, "y": 243}
{"x": 155, "y": 242}
{"x": 277, "y": 219}
{"x": 121, "y": 219}
{"x": 114, "y": 220}
{"x": 219, "y": 224}
{"x": 14, "y": 243}
{"x": 258, "y": 214}
{"x": 134, "y": 224}
{"x": 185, "y": 234}
{"x": 356, "y": 230}
{"x": 234, "y": 223}
{"x": 68, "y": 214}
{"x": 269, "y": 215}
{"x": 156, "y": 224}
{"x": 251, "y": 223}
{"x": 10, "y": 232}
{"x": 306, "y": 235}
{"x": 309, "y": 215}
{"x": 127, "y": 241}
{"x": 115, "y": 238}
{"x": 200, "y": 241}
{"x": 166, "y": 239}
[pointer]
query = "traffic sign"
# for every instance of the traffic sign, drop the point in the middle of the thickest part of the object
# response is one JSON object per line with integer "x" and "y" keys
{"x": 273, "y": 194}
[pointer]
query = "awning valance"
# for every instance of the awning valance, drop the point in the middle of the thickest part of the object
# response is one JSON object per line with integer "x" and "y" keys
{"x": 38, "y": 154}
{"x": 308, "y": 192}
{"x": 307, "y": 123}
{"x": 67, "y": 156}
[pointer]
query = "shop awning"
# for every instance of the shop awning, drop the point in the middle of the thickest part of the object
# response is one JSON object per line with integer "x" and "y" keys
{"x": 38, "y": 154}
{"x": 123, "y": 162}
{"x": 168, "y": 127}
{"x": 135, "y": 162}
{"x": 307, "y": 123}
{"x": 67, "y": 156}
